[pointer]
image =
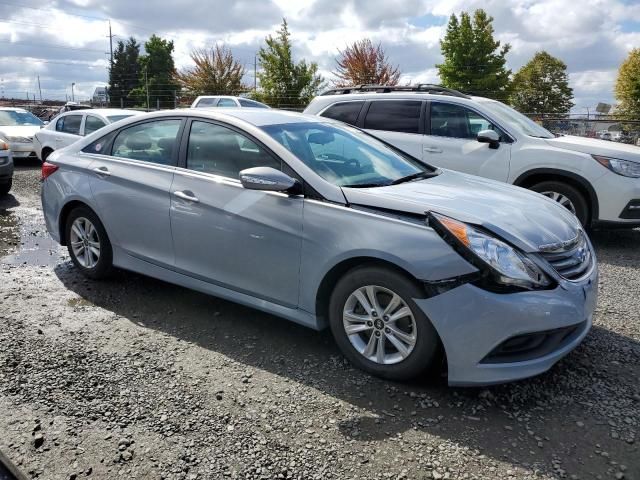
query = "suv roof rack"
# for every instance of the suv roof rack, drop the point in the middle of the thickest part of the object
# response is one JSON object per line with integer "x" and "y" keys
{"x": 419, "y": 88}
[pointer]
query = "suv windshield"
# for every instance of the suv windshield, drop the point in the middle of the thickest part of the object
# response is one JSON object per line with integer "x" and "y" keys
{"x": 15, "y": 118}
{"x": 346, "y": 156}
{"x": 517, "y": 120}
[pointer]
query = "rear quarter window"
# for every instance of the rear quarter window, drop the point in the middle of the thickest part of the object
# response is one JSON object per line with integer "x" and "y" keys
{"x": 346, "y": 112}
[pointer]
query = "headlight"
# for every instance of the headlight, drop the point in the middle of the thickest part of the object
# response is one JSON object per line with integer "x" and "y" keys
{"x": 505, "y": 264}
{"x": 19, "y": 140}
{"x": 626, "y": 168}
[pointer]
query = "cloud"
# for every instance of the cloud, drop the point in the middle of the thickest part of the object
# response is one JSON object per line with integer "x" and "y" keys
{"x": 65, "y": 41}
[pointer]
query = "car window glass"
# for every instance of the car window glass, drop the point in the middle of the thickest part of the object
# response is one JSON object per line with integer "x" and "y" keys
{"x": 222, "y": 151}
{"x": 226, "y": 102}
{"x": 456, "y": 121}
{"x": 100, "y": 146}
{"x": 60, "y": 124}
{"x": 394, "y": 115}
{"x": 346, "y": 112}
{"x": 71, "y": 124}
{"x": 92, "y": 123}
{"x": 251, "y": 104}
{"x": 150, "y": 142}
{"x": 207, "y": 102}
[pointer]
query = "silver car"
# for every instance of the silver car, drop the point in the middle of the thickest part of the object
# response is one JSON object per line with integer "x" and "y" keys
{"x": 324, "y": 225}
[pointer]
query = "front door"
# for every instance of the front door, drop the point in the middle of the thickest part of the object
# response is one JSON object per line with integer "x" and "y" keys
{"x": 245, "y": 240}
{"x": 451, "y": 142}
{"x": 131, "y": 189}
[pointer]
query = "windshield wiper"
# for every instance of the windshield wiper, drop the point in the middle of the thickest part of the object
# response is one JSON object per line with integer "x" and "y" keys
{"x": 414, "y": 176}
{"x": 366, "y": 185}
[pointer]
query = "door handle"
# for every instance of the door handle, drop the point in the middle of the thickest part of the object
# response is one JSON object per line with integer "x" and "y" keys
{"x": 102, "y": 171}
{"x": 432, "y": 149}
{"x": 187, "y": 196}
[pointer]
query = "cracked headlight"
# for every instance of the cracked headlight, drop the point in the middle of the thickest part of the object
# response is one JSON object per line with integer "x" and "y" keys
{"x": 502, "y": 262}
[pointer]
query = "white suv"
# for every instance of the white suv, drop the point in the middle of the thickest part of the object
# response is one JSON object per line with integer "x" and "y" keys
{"x": 598, "y": 181}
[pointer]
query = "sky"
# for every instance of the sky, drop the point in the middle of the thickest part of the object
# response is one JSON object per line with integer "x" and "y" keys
{"x": 66, "y": 41}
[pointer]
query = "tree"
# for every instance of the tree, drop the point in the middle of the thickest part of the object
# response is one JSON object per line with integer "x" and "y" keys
{"x": 284, "y": 83}
{"x": 158, "y": 82}
{"x": 124, "y": 74}
{"x": 542, "y": 86}
{"x": 627, "y": 86}
{"x": 362, "y": 62}
{"x": 473, "y": 60}
{"x": 216, "y": 71}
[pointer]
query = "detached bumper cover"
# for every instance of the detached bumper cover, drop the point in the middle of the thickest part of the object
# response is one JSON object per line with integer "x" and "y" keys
{"x": 473, "y": 323}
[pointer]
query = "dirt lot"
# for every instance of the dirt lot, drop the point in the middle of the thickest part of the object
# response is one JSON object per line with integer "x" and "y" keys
{"x": 136, "y": 378}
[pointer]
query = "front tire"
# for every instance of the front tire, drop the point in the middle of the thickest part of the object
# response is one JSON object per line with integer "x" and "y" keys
{"x": 567, "y": 196}
{"x": 379, "y": 327}
{"x": 88, "y": 244}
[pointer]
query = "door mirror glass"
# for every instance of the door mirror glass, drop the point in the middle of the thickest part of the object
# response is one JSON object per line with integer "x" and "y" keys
{"x": 489, "y": 136}
{"x": 266, "y": 178}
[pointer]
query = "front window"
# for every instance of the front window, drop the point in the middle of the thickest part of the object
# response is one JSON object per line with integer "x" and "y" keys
{"x": 115, "y": 118}
{"x": 516, "y": 120}
{"x": 345, "y": 156}
{"x": 251, "y": 103}
{"x": 455, "y": 121}
{"x": 207, "y": 102}
{"x": 92, "y": 123}
{"x": 226, "y": 102}
{"x": 153, "y": 142}
{"x": 13, "y": 118}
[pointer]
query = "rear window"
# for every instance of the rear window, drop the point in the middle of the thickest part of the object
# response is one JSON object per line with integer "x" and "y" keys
{"x": 346, "y": 112}
{"x": 394, "y": 115}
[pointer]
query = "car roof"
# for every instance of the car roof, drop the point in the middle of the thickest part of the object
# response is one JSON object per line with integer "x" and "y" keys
{"x": 394, "y": 95}
{"x": 14, "y": 109}
{"x": 110, "y": 111}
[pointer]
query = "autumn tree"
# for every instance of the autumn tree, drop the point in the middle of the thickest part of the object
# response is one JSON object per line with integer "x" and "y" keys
{"x": 215, "y": 71}
{"x": 474, "y": 62}
{"x": 542, "y": 86}
{"x": 627, "y": 88}
{"x": 283, "y": 82}
{"x": 365, "y": 63}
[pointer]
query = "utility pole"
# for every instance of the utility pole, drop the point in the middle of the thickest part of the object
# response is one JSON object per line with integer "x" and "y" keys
{"x": 110, "y": 46}
{"x": 73, "y": 97}
{"x": 255, "y": 73}
{"x": 39, "y": 89}
{"x": 146, "y": 83}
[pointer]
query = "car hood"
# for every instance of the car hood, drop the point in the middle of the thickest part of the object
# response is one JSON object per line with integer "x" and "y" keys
{"x": 596, "y": 146}
{"x": 19, "y": 130}
{"x": 524, "y": 218}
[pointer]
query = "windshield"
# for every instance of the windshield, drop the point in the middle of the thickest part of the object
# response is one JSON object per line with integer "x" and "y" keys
{"x": 345, "y": 156}
{"x": 115, "y": 118}
{"x": 13, "y": 118}
{"x": 517, "y": 120}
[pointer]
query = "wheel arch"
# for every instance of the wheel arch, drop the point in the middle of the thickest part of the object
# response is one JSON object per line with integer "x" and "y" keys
{"x": 45, "y": 148}
{"x": 64, "y": 214}
{"x": 537, "y": 175}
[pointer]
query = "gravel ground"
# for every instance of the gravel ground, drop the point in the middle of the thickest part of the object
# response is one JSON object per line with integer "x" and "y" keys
{"x": 136, "y": 378}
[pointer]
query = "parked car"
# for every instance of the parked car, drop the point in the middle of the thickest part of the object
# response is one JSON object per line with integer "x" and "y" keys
{"x": 595, "y": 180}
{"x": 605, "y": 135}
{"x": 72, "y": 125}
{"x": 221, "y": 101}
{"x": 17, "y": 127}
{"x": 6, "y": 168}
{"x": 323, "y": 224}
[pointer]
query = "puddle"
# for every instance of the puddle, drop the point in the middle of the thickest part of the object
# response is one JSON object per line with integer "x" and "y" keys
{"x": 25, "y": 241}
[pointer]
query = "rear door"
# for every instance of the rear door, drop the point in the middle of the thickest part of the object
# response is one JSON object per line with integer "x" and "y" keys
{"x": 245, "y": 240}
{"x": 131, "y": 187}
{"x": 451, "y": 142}
{"x": 67, "y": 130}
{"x": 399, "y": 122}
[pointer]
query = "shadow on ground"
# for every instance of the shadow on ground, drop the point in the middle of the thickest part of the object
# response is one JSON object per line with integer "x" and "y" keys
{"x": 532, "y": 422}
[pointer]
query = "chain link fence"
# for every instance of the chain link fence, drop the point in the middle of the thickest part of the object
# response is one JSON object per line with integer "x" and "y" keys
{"x": 605, "y": 127}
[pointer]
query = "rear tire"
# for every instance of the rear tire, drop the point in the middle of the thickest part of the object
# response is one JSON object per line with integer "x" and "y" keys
{"x": 409, "y": 343}
{"x": 88, "y": 244}
{"x": 563, "y": 192}
{"x": 6, "y": 187}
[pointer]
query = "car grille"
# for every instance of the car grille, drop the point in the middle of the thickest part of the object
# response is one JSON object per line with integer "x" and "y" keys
{"x": 573, "y": 261}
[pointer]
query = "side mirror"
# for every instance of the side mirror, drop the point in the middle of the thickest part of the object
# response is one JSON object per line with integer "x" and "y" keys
{"x": 266, "y": 178}
{"x": 489, "y": 136}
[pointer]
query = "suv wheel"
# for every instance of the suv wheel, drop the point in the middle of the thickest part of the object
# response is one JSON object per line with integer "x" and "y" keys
{"x": 567, "y": 196}
{"x": 378, "y": 326}
{"x": 88, "y": 244}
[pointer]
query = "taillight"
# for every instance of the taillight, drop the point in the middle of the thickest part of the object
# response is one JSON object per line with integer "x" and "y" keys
{"x": 4, "y": 145}
{"x": 48, "y": 169}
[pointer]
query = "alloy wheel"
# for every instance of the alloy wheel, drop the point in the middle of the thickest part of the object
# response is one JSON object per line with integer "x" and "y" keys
{"x": 562, "y": 200}
{"x": 379, "y": 324}
{"x": 85, "y": 242}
